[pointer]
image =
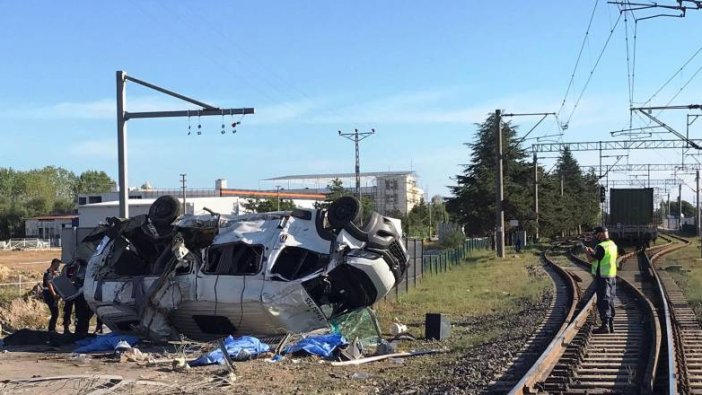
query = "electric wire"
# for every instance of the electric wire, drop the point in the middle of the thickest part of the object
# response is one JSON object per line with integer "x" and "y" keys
{"x": 577, "y": 60}
{"x": 592, "y": 72}
{"x": 267, "y": 92}
{"x": 694, "y": 75}
{"x": 628, "y": 65}
{"x": 690, "y": 59}
{"x": 261, "y": 68}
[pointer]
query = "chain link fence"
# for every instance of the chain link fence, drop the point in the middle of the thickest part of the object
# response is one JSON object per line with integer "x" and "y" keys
{"x": 424, "y": 263}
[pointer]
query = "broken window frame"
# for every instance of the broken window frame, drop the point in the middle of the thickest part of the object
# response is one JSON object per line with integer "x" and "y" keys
{"x": 258, "y": 249}
{"x": 278, "y": 275}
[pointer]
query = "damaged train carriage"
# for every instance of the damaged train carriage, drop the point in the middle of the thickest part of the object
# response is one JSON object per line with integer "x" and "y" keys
{"x": 165, "y": 274}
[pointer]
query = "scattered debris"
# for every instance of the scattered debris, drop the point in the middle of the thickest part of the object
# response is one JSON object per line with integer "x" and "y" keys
{"x": 240, "y": 349}
{"x": 396, "y": 328}
{"x": 320, "y": 345}
{"x": 108, "y": 342}
{"x": 386, "y": 356}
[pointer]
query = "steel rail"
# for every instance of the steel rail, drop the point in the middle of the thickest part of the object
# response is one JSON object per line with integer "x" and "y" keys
{"x": 669, "y": 315}
{"x": 549, "y": 357}
{"x": 543, "y": 367}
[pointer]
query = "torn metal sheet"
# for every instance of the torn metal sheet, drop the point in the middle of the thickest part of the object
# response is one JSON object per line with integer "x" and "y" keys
{"x": 165, "y": 274}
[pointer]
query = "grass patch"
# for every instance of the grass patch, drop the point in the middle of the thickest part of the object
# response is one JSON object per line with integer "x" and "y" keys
{"x": 482, "y": 286}
{"x": 685, "y": 266}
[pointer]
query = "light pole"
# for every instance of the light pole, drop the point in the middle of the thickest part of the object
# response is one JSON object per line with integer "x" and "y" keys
{"x": 183, "y": 181}
{"x": 277, "y": 193}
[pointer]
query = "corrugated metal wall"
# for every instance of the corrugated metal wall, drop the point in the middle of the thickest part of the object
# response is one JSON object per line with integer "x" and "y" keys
{"x": 628, "y": 206}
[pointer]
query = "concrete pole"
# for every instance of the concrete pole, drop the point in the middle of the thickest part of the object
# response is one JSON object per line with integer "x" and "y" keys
{"x": 536, "y": 194}
{"x": 500, "y": 216}
{"x": 277, "y": 194}
{"x": 122, "y": 145}
{"x": 184, "y": 189}
{"x": 669, "y": 215}
{"x": 697, "y": 217}
{"x": 679, "y": 206}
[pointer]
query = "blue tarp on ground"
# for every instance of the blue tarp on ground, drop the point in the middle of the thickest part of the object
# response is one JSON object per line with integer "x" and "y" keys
{"x": 242, "y": 348}
{"x": 322, "y": 345}
{"x": 104, "y": 342}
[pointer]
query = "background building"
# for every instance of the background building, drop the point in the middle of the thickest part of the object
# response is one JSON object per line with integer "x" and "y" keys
{"x": 391, "y": 191}
{"x": 49, "y": 227}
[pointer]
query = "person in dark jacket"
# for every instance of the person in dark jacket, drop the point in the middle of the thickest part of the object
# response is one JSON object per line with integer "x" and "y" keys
{"x": 70, "y": 271}
{"x": 83, "y": 312}
{"x": 49, "y": 292}
{"x": 604, "y": 268}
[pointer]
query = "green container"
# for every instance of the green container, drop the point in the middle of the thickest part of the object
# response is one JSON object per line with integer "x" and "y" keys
{"x": 628, "y": 206}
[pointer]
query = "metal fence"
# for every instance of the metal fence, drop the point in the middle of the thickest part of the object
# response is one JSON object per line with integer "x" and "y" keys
{"x": 19, "y": 287}
{"x": 25, "y": 244}
{"x": 425, "y": 263}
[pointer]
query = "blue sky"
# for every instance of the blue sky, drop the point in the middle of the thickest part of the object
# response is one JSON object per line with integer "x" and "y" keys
{"x": 421, "y": 73}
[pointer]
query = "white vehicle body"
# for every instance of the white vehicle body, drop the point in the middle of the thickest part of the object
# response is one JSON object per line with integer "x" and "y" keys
{"x": 264, "y": 274}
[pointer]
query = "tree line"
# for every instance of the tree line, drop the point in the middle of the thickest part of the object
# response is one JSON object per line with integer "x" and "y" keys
{"x": 568, "y": 197}
{"x": 49, "y": 190}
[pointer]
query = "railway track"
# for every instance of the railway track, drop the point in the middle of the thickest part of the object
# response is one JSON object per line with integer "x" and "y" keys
{"x": 684, "y": 346}
{"x": 561, "y": 310}
{"x": 578, "y": 361}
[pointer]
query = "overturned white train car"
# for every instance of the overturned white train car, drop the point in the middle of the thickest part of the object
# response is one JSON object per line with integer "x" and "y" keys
{"x": 164, "y": 274}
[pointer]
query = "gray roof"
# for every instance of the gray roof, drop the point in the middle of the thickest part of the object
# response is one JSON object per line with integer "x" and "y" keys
{"x": 342, "y": 175}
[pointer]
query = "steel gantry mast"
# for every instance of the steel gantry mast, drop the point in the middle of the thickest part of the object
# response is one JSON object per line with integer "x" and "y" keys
{"x": 616, "y": 145}
{"x": 123, "y": 116}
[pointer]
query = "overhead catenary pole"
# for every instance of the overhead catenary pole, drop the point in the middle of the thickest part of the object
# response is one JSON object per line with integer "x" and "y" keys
{"x": 518, "y": 142}
{"x": 536, "y": 194}
{"x": 499, "y": 213}
{"x": 123, "y": 116}
{"x": 679, "y": 206}
{"x": 697, "y": 216}
{"x": 122, "y": 145}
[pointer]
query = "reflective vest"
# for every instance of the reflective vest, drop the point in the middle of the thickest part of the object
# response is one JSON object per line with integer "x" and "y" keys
{"x": 608, "y": 263}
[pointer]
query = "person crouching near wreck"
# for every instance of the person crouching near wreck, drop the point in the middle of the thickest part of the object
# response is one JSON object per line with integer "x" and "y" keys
{"x": 49, "y": 292}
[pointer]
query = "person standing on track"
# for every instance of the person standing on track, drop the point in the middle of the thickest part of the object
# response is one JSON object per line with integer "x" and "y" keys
{"x": 49, "y": 293}
{"x": 604, "y": 267}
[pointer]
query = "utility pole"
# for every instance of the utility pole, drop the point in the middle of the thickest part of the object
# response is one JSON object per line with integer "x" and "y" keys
{"x": 536, "y": 169}
{"x": 499, "y": 214}
{"x": 431, "y": 226}
{"x": 697, "y": 217}
{"x": 536, "y": 194}
{"x": 668, "y": 215}
{"x": 123, "y": 116}
{"x": 277, "y": 193}
{"x": 183, "y": 187}
{"x": 679, "y": 206}
{"x": 356, "y": 138}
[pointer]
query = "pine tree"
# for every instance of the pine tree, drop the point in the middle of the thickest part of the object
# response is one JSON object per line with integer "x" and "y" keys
{"x": 473, "y": 201}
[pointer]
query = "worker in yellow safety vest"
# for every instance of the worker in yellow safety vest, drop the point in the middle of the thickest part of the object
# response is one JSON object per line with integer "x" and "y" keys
{"x": 604, "y": 267}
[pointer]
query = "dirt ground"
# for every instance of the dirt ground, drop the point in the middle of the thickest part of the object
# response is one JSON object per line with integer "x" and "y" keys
{"x": 461, "y": 370}
{"x": 305, "y": 375}
{"x": 29, "y": 261}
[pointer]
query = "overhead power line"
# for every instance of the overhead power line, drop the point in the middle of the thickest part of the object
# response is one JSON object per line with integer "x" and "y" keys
{"x": 577, "y": 60}
{"x": 592, "y": 72}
